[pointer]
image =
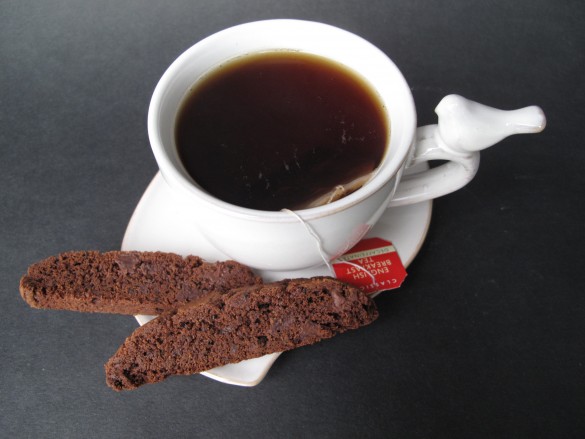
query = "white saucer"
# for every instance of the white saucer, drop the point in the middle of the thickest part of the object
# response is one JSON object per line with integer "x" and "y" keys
{"x": 160, "y": 223}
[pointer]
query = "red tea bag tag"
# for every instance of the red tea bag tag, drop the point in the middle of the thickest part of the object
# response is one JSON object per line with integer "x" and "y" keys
{"x": 372, "y": 265}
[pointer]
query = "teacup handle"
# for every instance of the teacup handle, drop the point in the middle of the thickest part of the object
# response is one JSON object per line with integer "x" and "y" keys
{"x": 465, "y": 127}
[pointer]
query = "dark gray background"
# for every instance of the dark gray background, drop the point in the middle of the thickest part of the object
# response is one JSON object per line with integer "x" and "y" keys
{"x": 485, "y": 338}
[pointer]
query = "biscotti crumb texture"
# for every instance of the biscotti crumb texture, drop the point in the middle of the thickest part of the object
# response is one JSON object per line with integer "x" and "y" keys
{"x": 244, "y": 323}
{"x": 127, "y": 282}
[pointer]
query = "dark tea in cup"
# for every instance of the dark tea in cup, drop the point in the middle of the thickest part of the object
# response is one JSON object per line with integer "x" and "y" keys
{"x": 281, "y": 129}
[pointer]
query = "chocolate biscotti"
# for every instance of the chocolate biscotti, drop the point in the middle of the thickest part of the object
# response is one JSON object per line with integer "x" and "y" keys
{"x": 127, "y": 282}
{"x": 243, "y": 323}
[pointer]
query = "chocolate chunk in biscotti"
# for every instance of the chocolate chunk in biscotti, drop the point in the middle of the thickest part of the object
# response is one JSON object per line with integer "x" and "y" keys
{"x": 244, "y": 323}
{"x": 127, "y": 282}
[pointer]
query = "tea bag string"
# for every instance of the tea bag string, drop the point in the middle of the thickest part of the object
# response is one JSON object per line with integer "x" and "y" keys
{"x": 320, "y": 249}
{"x": 315, "y": 236}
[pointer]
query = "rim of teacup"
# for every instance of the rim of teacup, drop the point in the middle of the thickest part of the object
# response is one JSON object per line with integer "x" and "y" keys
{"x": 176, "y": 176}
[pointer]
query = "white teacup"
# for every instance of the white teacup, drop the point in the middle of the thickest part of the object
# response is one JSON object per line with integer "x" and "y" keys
{"x": 291, "y": 241}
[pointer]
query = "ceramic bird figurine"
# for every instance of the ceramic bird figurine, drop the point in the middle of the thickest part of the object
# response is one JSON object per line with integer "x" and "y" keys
{"x": 466, "y": 126}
